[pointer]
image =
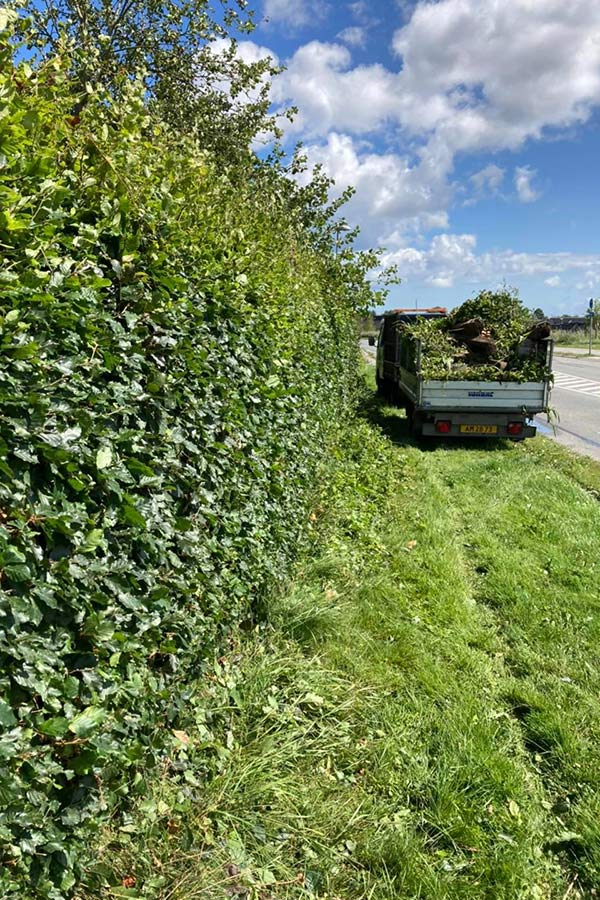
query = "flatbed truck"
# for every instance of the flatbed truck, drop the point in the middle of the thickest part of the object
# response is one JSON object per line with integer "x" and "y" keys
{"x": 451, "y": 408}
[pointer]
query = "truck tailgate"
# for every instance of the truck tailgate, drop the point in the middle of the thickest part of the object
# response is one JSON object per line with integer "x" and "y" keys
{"x": 484, "y": 395}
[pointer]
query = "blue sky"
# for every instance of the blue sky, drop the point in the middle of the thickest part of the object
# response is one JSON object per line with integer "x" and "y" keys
{"x": 469, "y": 128}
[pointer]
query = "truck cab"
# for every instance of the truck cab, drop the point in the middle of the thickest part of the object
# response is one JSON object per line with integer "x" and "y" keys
{"x": 394, "y": 353}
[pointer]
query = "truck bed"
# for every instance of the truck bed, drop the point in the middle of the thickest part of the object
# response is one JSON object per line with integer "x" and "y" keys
{"x": 499, "y": 408}
{"x": 530, "y": 397}
{"x": 471, "y": 396}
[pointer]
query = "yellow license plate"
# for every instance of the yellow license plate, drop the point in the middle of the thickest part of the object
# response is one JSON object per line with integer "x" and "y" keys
{"x": 479, "y": 429}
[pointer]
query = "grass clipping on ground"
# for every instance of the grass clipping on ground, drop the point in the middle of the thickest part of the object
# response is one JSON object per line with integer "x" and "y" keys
{"x": 489, "y": 338}
{"x": 418, "y": 716}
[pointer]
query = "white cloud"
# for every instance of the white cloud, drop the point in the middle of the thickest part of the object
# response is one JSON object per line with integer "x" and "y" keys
{"x": 452, "y": 257}
{"x": 442, "y": 281}
{"x": 501, "y": 72}
{"x": 473, "y": 76}
{"x": 488, "y": 180}
{"x": 294, "y": 13}
{"x": 406, "y": 8}
{"x": 331, "y": 95}
{"x": 448, "y": 255}
{"x": 360, "y": 11}
{"x": 249, "y": 52}
{"x": 389, "y": 188}
{"x": 355, "y": 35}
{"x": 590, "y": 280}
{"x": 525, "y": 192}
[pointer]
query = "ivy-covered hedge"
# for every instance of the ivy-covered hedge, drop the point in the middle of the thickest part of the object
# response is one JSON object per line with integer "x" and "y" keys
{"x": 176, "y": 351}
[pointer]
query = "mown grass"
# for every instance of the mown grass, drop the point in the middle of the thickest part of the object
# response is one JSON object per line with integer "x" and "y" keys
{"x": 418, "y": 716}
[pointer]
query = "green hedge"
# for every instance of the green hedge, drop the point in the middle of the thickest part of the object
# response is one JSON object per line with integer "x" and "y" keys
{"x": 175, "y": 353}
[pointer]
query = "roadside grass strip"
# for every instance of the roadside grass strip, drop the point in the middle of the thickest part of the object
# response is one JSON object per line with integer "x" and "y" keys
{"x": 419, "y": 715}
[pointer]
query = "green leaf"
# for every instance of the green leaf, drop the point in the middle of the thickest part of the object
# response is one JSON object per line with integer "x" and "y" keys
{"x": 84, "y": 762}
{"x": 17, "y": 573}
{"x": 6, "y": 16}
{"x": 12, "y": 555}
{"x": 266, "y": 876}
{"x": 103, "y": 458}
{"x": 62, "y": 439}
{"x": 568, "y": 837}
{"x": 138, "y": 467}
{"x": 87, "y": 721}
{"x": 131, "y": 515}
{"x": 26, "y": 351}
{"x": 93, "y": 540}
{"x": 55, "y": 727}
{"x": 129, "y": 893}
{"x": 7, "y": 717}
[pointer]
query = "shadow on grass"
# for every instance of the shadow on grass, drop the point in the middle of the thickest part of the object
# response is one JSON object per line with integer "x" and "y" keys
{"x": 392, "y": 420}
{"x": 394, "y": 423}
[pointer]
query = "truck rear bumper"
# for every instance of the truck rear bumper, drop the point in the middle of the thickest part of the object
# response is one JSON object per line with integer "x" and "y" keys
{"x": 476, "y": 425}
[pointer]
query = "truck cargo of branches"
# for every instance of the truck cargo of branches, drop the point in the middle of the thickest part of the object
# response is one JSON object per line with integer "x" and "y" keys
{"x": 487, "y": 402}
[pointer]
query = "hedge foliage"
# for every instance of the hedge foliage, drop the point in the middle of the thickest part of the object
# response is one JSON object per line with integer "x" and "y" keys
{"x": 177, "y": 347}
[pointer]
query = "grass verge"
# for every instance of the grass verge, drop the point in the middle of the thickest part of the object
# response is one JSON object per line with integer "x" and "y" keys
{"x": 578, "y": 338}
{"x": 418, "y": 717}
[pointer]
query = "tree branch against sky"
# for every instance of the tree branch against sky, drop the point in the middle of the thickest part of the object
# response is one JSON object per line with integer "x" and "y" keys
{"x": 197, "y": 77}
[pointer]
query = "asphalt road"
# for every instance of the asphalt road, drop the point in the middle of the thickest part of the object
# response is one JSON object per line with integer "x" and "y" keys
{"x": 369, "y": 353}
{"x": 576, "y": 399}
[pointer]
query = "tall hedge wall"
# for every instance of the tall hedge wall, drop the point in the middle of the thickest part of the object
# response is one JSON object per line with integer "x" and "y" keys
{"x": 175, "y": 354}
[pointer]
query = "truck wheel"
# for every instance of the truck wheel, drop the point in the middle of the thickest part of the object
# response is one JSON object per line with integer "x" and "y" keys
{"x": 398, "y": 398}
{"x": 414, "y": 419}
{"x": 383, "y": 387}
{"x": 417, "y": 428}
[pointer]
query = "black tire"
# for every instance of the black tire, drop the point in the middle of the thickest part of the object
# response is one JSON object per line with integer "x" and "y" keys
{"x": 399, "y": 398}
{"x": 416, "y": 424}
{"x": 384, "y": 387}
{"x": 414, "y": 420}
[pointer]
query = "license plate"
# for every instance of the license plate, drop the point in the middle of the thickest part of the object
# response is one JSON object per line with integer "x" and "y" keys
{"x": 479, "y": 429}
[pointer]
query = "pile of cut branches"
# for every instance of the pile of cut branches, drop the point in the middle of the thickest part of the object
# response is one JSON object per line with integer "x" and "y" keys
{"x": 489, "y": 338}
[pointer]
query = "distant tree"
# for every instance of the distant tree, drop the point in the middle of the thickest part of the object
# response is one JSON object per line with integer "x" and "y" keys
{"x": 539, "y": 313}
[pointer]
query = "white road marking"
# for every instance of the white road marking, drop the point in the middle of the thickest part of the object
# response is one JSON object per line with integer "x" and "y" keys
{"x": 577, "y": 385}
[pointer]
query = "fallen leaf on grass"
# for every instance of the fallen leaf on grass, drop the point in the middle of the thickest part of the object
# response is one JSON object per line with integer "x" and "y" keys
{"x": 182, "y": 736}
{"x": 411, "y": 545}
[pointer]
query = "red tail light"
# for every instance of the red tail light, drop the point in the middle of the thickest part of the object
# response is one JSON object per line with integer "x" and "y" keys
{"x": 443, "y": 427}
{"x": 515, "y": 428}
